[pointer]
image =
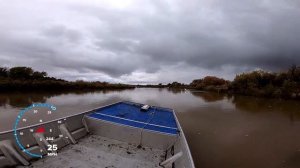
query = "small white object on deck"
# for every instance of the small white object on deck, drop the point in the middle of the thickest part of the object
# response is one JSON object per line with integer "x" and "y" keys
{"x": 145, "y": 107}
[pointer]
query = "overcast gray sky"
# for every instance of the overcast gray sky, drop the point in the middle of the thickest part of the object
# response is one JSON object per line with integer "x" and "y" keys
{"x": 149, "y": 41}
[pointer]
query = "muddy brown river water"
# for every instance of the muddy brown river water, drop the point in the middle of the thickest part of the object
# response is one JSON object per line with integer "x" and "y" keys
{"x": 222, "y": 131}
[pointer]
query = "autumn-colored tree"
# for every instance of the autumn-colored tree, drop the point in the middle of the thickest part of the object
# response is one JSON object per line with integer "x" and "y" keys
{"x": 208, "y": 83}
{"x": 213, "y": 81}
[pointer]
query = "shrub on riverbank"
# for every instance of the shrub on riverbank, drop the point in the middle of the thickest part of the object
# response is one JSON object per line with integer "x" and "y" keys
{"x": 268, "y": 84}
{"x": 256, "y": 83}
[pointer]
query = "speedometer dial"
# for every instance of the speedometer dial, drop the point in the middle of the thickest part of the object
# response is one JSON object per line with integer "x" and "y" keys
{"x": 33, "y": 136}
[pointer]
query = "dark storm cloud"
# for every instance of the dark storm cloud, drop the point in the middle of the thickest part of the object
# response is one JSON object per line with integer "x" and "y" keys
{"x": 255, "y": 34}
{"x": 150, "y": 41}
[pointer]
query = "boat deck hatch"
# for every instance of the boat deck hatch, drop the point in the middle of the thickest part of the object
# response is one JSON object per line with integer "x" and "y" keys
{"x": 126, "y": 113}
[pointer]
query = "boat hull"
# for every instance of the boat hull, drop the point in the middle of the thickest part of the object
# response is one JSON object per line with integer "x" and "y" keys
{"x": 80, "y": 125}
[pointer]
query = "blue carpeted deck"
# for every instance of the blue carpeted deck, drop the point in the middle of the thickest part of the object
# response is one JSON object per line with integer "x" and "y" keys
{"x": 126, "y": 113}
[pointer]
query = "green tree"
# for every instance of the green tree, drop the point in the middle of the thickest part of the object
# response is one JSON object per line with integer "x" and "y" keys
{"x": 20, "y": 73}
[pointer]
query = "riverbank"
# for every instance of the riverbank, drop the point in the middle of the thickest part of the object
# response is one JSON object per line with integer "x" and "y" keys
{"x": 26, "y": 79}
{"x": 259, "y": 83}
{"x": 53, "y": 85}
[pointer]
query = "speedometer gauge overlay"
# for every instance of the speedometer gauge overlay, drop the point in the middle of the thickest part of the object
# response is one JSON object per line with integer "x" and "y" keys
{"x": 33, "y": 134}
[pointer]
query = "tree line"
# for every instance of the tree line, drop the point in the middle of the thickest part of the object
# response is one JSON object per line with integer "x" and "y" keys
{"x": 285, "y": 84}
{"x": 25, "y": 78}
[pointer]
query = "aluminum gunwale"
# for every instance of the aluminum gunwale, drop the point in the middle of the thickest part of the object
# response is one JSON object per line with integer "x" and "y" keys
{"x": 184, "y": 141}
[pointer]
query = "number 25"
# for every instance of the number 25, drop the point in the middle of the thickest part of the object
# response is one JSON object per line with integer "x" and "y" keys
{"x": 52, "y": 147}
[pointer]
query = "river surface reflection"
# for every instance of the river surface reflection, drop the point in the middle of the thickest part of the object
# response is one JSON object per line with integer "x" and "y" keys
{"x": 222, "y": 131}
